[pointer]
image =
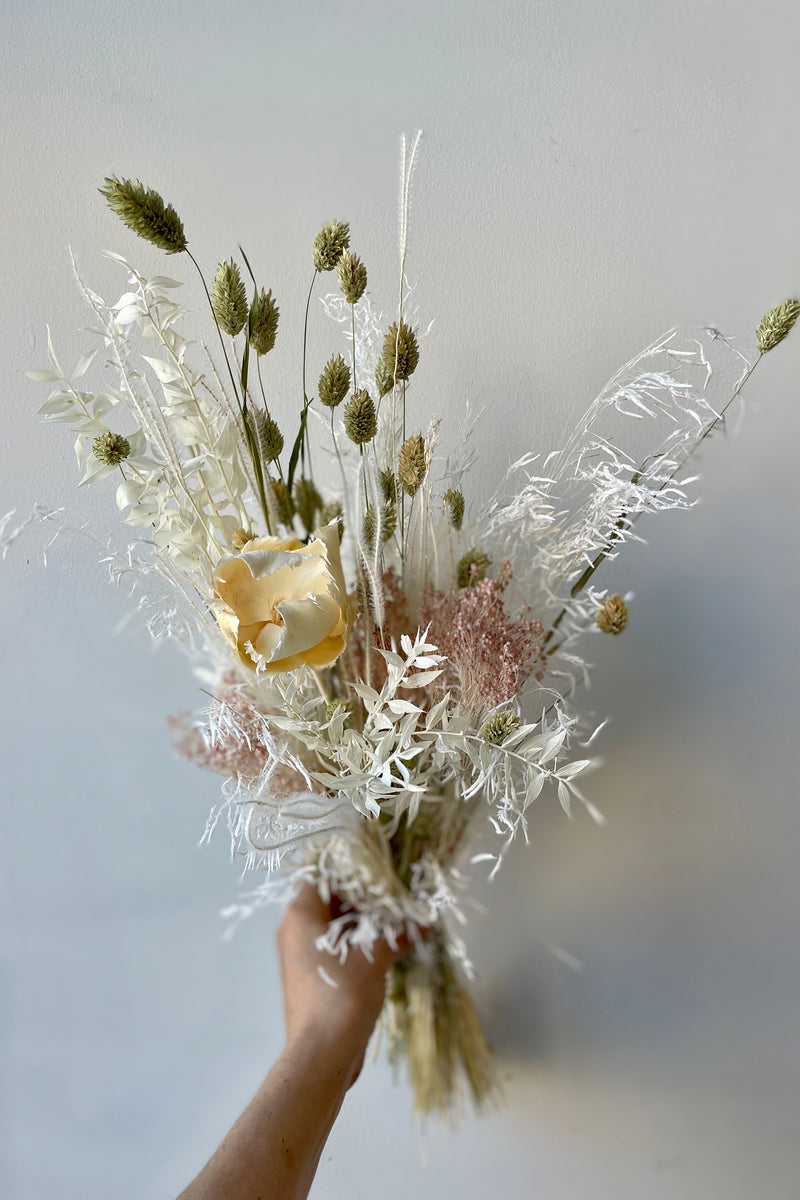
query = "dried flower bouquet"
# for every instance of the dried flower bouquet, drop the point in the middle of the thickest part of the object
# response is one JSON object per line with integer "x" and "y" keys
{"x": 389, "y": 668}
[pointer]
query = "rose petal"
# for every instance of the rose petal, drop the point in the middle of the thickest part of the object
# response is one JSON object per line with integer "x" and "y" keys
{"x": 306, "y": 623}
{"x": 253, "y": 599}
{"x": 267, "y": 641}
{"x": 229, "y": 625}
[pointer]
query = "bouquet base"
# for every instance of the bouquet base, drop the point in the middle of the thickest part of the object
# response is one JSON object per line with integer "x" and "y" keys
{"x": 433, "y": 1026}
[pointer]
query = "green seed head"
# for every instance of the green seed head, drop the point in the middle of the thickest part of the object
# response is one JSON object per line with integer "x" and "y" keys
{"x": 335, "y": 706}
{"x": 612, "y": 616}
{"x": 472, "y": 568}
{"x": 500, "y": 727}
{"x": 284, "y": 501}
{"x": 330, "y": 244}
{"x": 111, "y": 448}
{"x": 360, "y": 421}
{"x": 307, "y": 503}
{"x": 334, "y": 382}
{"x": 352, "y": 276}
{"x": 269, "y": 436}
{"x": 144, "y": 211}
{"x": 454, "y": 504}
{"x": 229, "y": 298}
{"x": 332, "y": 511}
{"x": 776, "y": 324}
{"x": 389, "y": 485}
{"x": 388, "y": 524}
{"x": 412, "y": 464}
{"x": 384, "y": 377}
{"x": 400, "y": 354}
{"x": 264, "y": 314}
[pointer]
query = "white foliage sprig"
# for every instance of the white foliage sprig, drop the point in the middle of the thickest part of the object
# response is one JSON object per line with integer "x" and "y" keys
{"x": 580, "y": 504}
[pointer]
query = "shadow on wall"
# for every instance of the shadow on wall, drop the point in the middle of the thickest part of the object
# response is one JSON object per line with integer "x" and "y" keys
{"x": 679, "y": 914}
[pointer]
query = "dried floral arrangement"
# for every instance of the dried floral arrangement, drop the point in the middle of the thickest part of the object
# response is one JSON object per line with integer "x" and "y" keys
{"x": 387, "y": 700}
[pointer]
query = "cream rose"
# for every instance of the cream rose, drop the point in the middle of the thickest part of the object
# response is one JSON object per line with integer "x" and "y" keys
{"x": 285, "y": 600}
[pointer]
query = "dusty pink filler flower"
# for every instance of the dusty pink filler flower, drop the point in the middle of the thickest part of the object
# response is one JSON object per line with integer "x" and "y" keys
{"x": 491, "y": 652}
{"x": 232, "y": 757}
{"x": 238, "y": 753}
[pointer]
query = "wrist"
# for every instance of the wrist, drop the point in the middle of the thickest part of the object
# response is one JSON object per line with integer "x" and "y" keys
{"x": 337, "y": 1045}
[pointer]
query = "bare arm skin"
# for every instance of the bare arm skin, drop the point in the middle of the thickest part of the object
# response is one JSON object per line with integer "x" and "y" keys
{"x": 272, "y": 1151}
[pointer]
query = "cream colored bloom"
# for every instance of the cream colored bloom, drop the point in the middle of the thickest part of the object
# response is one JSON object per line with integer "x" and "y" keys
{"x": 285, "y": 605}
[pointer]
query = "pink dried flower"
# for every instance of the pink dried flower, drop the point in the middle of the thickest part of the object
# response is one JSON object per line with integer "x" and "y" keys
{"x": 226, "y": 758}
{"x": 490, "y": 653}
{"x": 237, "y": 749}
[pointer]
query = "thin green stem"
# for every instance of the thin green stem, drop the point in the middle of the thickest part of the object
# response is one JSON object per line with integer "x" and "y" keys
{"x": 266, "y": 409}
{"x": 219, "y": 331}
{"x": 627, "y": 522}
{"x": 339, "y": 459}
{"x": 305, "y": 334}
{"x": 403, "y": 493}
{"x": 261, "y": 384}
{"x": 305, "y": 349}
{"x": 353, "y": 326}
{"x": 242, "y": 400}
{"x": 258, "y": 468}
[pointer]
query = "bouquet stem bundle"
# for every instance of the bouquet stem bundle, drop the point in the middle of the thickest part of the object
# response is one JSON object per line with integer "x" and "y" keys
{"x": 433, "y": 1027}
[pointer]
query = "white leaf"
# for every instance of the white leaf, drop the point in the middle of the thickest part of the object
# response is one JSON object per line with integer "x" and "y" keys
{"x": 51, "y": 354}
{"x": 94, "y": 470}
{"x": 398, "y": 707}
{"x": 129, "y": 492}
{"x": 532, "y": 790}
{"x": 143, "y": 462}
{"x": 189, "y": 429}
{"x": 392, "y": 659}
{"x": 564, "y": 798}
{"x": 126, "y": 300}
{"x": 83, "y": 365}
{"x": 367, "y": 694}
{"x": 127, "y": 315}
{"x": 141, "y": 515}
{"x": 116, "y": 257}
{"x": 87, "y": 426}
{"x": 555, "y": 743}
{"x": 226, "y": 442}
{"x": 420, "y": 679}
{"x": 43, "y": 376}
{"x": 163, "y": 281}
{"x": 434, "y": 714}
{"x": 574, "y": 768}
{"x": 101, "y": 405}
{"x": 57, "y": 406}
{"x": 166, "y": 372}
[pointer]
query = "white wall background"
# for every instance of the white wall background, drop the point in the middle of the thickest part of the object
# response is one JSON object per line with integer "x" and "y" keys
{"x": 593, "y": 171}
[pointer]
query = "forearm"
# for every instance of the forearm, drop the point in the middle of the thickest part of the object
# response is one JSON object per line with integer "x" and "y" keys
{"x": 272, "y": 1151}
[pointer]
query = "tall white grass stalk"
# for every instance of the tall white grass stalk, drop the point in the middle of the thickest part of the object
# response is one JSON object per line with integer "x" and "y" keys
{"x": 407, "y": 163}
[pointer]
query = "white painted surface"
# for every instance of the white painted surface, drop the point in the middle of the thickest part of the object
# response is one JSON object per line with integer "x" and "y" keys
{"x": 591, "y": 174}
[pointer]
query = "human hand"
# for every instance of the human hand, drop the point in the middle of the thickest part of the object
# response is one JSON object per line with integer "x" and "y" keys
{"x": 337, "y": 1019}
